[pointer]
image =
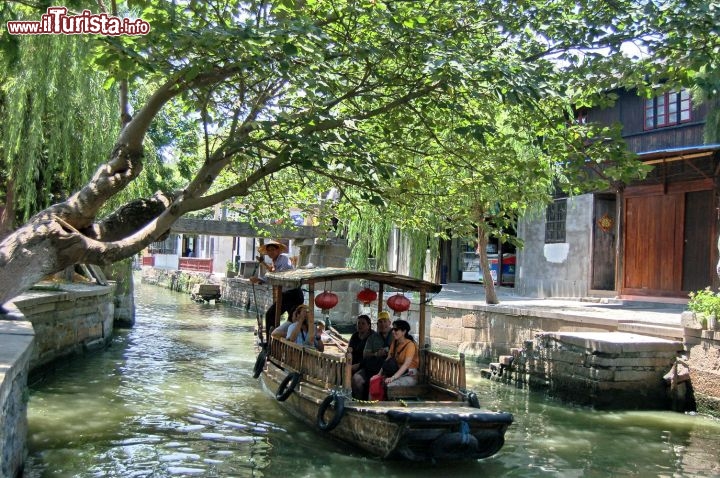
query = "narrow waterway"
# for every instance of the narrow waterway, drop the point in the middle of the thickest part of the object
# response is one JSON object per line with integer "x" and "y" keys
{"x": 175, "y": 396}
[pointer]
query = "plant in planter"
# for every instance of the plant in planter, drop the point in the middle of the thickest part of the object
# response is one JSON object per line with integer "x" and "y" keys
{"x": 230, "y": 270}
{"x": 705, "y": 302}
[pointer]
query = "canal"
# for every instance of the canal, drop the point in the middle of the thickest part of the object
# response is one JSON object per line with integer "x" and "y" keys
{"x": 175, "y": 396}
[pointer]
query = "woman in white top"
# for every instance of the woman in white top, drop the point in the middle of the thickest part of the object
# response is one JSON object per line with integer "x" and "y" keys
{"x": 298, "y": 331}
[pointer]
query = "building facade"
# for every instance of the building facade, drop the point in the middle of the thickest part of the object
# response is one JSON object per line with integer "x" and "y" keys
{"x": 652, "y": 238}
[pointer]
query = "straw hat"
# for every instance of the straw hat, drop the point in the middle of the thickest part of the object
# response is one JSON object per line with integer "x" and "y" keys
{"x": 263, "y": 249}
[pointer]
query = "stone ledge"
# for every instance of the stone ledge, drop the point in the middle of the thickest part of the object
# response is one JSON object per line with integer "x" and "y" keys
{"x": 615, "y": 342}
{"x": 671, "y": 333}
{"x": 65, "y": 292}
{"x": 16, "y": 346}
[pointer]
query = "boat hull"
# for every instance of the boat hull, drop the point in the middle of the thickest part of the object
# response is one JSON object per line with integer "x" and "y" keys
{"x": 410, "y": 430}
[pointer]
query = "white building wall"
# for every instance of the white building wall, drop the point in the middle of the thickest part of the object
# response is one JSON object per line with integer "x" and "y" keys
{"x": 556, "y": 270}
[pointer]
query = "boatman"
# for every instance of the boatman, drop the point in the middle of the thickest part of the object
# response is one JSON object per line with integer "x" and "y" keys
{"x": 280, "y": 262}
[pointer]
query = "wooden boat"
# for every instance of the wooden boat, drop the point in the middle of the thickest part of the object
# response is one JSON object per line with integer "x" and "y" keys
{"x": 436, "y": 420}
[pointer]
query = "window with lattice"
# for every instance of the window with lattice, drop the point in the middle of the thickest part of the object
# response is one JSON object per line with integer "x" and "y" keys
{"x": 668, "y": 109}
{"x": 555, "y": 216}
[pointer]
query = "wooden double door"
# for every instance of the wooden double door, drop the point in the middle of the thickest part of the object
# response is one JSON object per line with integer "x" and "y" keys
{"x": 669, "y": 239}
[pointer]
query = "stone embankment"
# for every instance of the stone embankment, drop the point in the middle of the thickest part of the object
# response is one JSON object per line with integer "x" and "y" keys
{"x": 703, "y": 362}
{"x": 38, "y": 328}
{"x": 240, "y": 292}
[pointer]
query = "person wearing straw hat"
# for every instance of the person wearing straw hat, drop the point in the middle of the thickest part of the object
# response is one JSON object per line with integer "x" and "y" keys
{"x": 276, "y": 252}
{"x": 280, "y": 262}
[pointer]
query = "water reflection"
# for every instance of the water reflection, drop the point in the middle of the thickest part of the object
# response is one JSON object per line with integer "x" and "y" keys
{"x": 175, "y": 397}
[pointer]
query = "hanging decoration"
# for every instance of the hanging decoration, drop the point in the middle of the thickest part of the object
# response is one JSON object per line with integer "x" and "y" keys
{"x": 606, "y": 223}
{"x": 366, "y": 296}
{"x": 398, "y": 303}
{"x": 326, "y": 301}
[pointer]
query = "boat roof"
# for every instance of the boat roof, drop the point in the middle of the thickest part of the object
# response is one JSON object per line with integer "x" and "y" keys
{"x": 301, "y": 276}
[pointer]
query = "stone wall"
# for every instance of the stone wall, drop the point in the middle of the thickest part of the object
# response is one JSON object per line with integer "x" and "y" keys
{"x": 121, "y": 273}
{"x": 556, "y": 270}
{"x": 39, "y": 327}
{"x": 16, "y": 339}
{"x": 703, "y": 360}
{"x": 606, "y": 370}
{"x": 240, "y": 293}
{"x": 68, "y": 321}
{"x": 179, "y": 281}
{"x": 486, "y": 332}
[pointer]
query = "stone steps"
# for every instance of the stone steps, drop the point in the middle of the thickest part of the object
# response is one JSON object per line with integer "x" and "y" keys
{"x": 653, "y": 330}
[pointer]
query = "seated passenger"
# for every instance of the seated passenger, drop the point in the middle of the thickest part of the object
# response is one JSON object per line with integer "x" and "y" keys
{"x": 282, "y": 329}
{"x": 405, "y": 352}
{"x": 320, "y": 333}
{"x": 376, "y": 349}
{"x": 356, "y": 345}
{"x": 298, "y": 331}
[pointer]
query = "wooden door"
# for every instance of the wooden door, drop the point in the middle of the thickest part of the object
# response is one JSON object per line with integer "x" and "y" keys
{"x": 603, "y": 249}
{"x": 669, "y": 239}
{"x": 654, "y": 227}
{"x": 699, "y": 257}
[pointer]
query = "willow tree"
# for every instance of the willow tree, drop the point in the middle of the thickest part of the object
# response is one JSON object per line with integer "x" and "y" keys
{"x": 56, "y": 124}
{"x": 315, "y": 86}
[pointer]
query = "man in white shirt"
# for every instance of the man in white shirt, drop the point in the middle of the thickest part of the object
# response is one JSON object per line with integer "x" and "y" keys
{"x": 280, "y": 262}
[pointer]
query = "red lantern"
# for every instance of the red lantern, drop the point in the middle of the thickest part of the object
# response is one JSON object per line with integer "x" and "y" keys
{"x": 398, "y": 303}
{"x": 367, "y": 295}
{"x": 326, "y": 301}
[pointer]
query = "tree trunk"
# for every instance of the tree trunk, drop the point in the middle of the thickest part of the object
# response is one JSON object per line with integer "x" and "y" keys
{"x": 7, "y": 215}
{"x": 717, "y": 267}
{"x": 490, "y": 294}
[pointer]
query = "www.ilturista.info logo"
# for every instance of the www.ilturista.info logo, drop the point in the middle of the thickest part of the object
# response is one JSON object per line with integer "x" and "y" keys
{"x": 57, "y": 21}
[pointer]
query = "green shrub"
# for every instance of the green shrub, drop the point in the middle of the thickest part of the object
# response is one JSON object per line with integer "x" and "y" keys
{"x": 705, "y": 301}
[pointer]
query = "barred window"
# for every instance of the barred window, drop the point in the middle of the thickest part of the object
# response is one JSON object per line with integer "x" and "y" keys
{"x": 168, "y": 246}
{"x": 555, "y": 221}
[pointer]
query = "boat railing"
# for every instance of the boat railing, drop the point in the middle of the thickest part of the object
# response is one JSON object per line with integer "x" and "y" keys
{"x": 286, "y": 354}
{"x": 329, "y": 371}
{"x": 322, "y": 369}
{"x": 445, "y": 371}
{"x": 325, "y": 370}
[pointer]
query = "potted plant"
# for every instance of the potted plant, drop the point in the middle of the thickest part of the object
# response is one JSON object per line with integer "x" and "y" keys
{"x": 706, "y": 304}
{"x": 230, "y": 270}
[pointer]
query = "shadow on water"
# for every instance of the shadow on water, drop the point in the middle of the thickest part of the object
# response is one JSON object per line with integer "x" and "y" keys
{"x": 175, "y": 396}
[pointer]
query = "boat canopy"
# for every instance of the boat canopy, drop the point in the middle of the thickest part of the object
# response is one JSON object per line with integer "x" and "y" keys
{"x": 297, "y": 277}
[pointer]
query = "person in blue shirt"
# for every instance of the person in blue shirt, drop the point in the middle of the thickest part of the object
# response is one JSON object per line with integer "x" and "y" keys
{"x": 299, "y": 333}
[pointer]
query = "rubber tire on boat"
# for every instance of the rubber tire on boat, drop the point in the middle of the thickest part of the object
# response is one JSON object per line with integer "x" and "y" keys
{"x": 287, "y": 386}
{"x": 473, "y": 400}
{"x": 452, "y": 446}
{"x": 260, "y": 363}
{"x": 339, "y": 412}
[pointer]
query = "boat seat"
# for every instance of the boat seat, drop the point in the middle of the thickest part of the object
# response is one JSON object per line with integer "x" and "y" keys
{"x": 412, "y": 391}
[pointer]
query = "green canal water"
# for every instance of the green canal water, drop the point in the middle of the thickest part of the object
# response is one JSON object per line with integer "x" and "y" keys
{"x": 175, "y": 396}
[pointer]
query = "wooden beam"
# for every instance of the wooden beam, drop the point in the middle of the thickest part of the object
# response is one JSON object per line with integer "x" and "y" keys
{"x": 681, "y": 157}
{"x": 243, "y": 229}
